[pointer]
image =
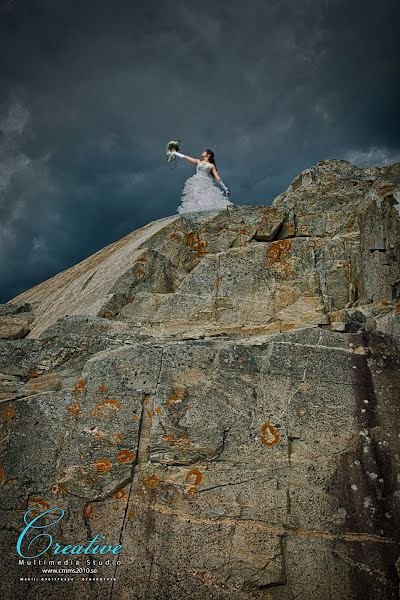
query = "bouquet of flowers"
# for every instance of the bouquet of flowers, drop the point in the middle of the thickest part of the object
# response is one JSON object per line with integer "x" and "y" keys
{"x": 171, "y": 158}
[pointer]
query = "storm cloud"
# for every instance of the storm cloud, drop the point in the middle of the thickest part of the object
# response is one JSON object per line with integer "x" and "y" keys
{"x": 91, "y": 91}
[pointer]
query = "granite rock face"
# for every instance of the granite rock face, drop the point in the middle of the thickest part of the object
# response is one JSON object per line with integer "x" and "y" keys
{"x": 218, "y": 392}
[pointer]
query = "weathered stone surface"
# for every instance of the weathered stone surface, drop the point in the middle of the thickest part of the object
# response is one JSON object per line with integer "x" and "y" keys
{"x": 15, "y": 308}
{"x": 219, "y": 392}
{"x": 15, "y": 320}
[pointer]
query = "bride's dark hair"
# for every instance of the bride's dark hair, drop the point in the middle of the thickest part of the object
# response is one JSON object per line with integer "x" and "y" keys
{"x": 211, "y": 157}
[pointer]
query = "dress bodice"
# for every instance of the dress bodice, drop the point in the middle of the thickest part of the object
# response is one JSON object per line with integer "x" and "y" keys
{"x": 204, "y": 168}
{"x": 200, "y": 192}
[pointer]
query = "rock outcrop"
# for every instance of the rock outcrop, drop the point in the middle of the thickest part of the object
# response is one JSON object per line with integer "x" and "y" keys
{"x": 218, "y": 392}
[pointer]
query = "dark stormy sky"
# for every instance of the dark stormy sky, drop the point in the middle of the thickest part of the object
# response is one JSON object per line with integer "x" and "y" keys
{"x": 91, "y": 91}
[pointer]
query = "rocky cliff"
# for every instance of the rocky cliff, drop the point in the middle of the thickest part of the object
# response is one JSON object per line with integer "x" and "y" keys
{"x": 218, "y": 392}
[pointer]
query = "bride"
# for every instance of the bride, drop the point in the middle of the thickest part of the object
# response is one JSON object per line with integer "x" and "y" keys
{"x": 199, "y": 192}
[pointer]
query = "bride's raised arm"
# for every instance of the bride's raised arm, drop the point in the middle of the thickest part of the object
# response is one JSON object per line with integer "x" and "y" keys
{"x": 189, "y": 158}
{"x": 218, "y": 179}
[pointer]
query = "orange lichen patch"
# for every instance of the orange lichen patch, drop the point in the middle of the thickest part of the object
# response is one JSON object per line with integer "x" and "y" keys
{"x": 195, "y": 243}
{"x": 182, "y": 442}
{"x": 80, "y": 385}
{"x": 398, "y": 308}
{"x": 151, "y": 482}
{"x": 135, "y": 418}
{"x": 102, "y": 388}
{"x": 59, "y": 488}
{"x": 119, "y": 436}
{"x": 32, "y": 373}
{"x": 286, "y": 268}
{"x": 142, "y": 259}
{"x": 218, "y": 282}
{"x": 89, "y": 510}
{"x": 2, "y": 475}
{"x": 141, "y": 272}
{"x": 157, "y": 410}
{"x": 74, "y": 409}
{"x": 40, "y": 501}
{"x": 8, "y": 413}
{"x": 269, "y": 434}
{"x": 278, "y": 250}
{"x": 198, "y": 476}
{"x": 265, "y": 216}
{"x": 303, "y": 228}
{"x": 132, "y": 515}
{"x": 385, "y": 302}
{"x": 125, "y": 456}
{"x": 102, "y": 407}
{"x": 177, "y": 396}
{"x": 109, "y": 402}
{"x": 149, "y": 413}
{"x": 350, "y": 225}
{"x": 102, "y": 466}
{"x": 174, "y": 236}
{"x": 120, "y": 495}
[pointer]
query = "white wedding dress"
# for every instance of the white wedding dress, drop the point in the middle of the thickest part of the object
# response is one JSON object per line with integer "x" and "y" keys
{"x": 200, "y": 193}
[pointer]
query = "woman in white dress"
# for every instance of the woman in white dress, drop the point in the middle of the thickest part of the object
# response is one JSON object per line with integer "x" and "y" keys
{"x": 199, "y": 191}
